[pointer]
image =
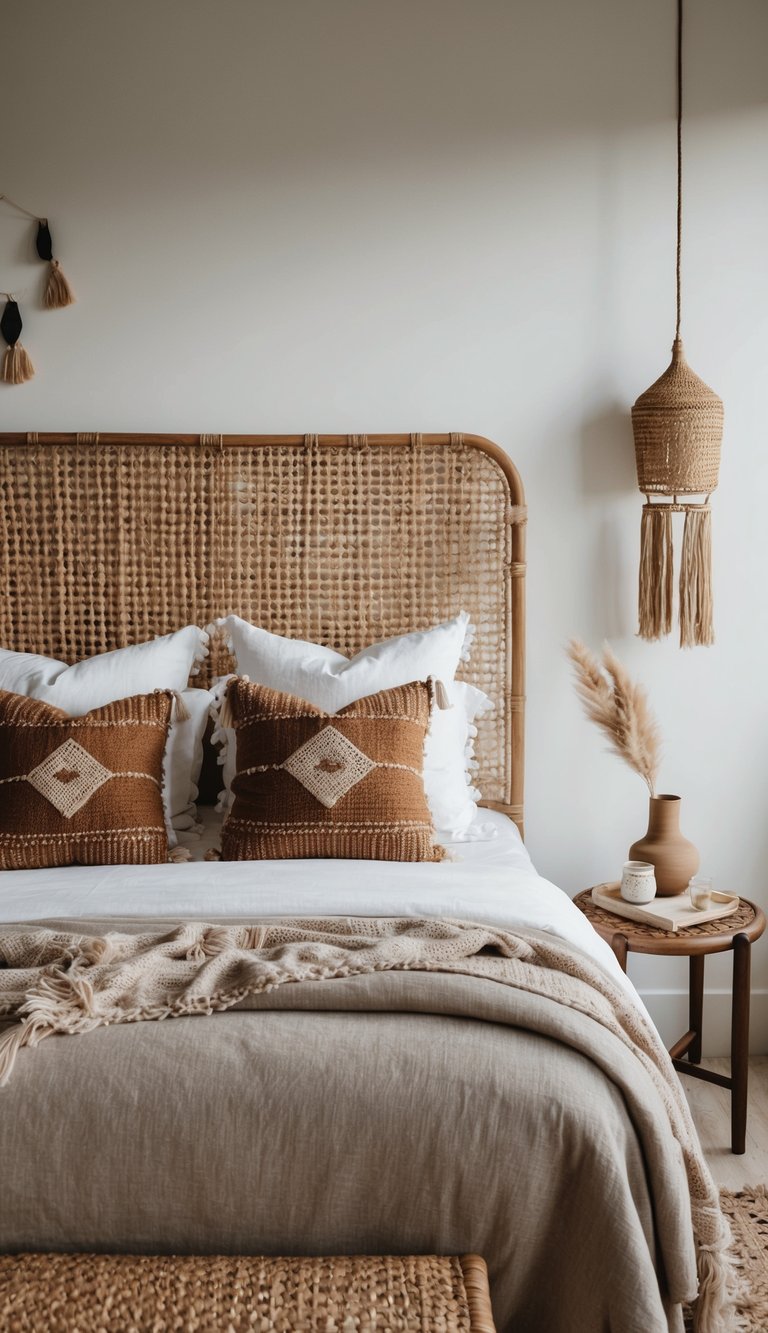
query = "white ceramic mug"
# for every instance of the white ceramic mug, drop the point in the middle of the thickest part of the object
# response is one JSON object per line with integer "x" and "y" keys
{"x": 638, "y": 882}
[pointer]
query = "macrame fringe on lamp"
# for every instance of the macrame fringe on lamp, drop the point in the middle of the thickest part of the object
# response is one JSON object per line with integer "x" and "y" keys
{"x": 678, "y": 429}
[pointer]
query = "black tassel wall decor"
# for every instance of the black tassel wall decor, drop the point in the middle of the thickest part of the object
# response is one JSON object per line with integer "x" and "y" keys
{"x": 17, "y": 367}
{"x": 58, "y": 292}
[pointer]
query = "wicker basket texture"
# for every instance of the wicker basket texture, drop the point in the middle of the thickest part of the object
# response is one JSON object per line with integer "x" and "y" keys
{"x": 678, "y": 430}
{"x": 343, "y": 540}
{"x": 98, "y": 1293}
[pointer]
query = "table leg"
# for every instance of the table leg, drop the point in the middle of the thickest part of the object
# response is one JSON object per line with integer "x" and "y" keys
{"x": 696, "y": 1005}
{"x": 740, "y": 1042}
{"x": 620, "y": 944}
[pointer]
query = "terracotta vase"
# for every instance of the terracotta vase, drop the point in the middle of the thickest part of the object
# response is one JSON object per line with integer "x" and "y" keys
{"x": 673, "y": 857}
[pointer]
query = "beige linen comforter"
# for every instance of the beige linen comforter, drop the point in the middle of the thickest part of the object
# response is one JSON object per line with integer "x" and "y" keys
{"x": 426, "y": 1087}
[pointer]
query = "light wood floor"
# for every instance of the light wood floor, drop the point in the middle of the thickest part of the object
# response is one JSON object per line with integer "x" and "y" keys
{"x": 711, "y": 1108}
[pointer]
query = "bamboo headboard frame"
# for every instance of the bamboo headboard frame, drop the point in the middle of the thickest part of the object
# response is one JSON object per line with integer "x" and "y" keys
{"x": 106, "y": 540}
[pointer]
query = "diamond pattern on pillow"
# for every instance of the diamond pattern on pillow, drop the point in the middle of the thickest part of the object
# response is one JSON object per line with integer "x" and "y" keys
{"x": 328, "y": 766}
{"x": 82, "y": 790}
{"x": 69, "y": 777}
{"x": 314, "y": 784}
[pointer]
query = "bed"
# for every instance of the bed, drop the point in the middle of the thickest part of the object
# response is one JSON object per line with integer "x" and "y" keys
{"x": 424, "y": 1110}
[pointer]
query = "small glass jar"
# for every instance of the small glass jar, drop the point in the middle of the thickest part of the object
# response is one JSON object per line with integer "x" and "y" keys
{"x": 700, "y": 889}
{"x": 638, "y": 882}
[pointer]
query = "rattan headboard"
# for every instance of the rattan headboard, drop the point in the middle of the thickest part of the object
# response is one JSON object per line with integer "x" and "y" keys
{"x": 106, "y": 540}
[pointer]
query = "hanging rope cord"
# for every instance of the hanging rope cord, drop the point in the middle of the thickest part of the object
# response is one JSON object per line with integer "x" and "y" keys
{"x": 4, "y": 198}
{"x": 675, "y": 507}
{"x": 678, "y": 426}
{"x": 679, "y": 160}
{"x": 12, "y": 204}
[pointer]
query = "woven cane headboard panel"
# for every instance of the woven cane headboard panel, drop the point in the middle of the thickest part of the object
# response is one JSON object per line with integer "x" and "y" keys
{"x": 107, "y": 540}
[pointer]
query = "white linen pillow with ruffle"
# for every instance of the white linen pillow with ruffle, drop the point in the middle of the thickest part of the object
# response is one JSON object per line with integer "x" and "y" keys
{"x": 164, "y": 663}
{"x": 450, "y": 764}
{"x": 330, "y": 681}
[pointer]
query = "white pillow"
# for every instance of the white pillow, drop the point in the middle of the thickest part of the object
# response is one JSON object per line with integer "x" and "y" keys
{"x": 330, "y": 681}
{"x": 165, "y": 663}
{"x": 449, "y": 760}
{"x": 181, "y": 767}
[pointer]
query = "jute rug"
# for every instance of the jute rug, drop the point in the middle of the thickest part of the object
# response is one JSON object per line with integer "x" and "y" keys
{"x": 747, "y": 1213}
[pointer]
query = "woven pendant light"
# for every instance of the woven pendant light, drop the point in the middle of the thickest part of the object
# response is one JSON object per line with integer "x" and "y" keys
{"x": 678, "y": 429}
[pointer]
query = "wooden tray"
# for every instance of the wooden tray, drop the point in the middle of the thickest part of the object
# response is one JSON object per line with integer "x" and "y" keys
{"x": 671, "y": 914}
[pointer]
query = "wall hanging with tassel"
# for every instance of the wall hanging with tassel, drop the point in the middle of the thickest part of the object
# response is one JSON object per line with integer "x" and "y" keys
{"x": 58, "y": 292}
{"x": 17, "y": 367}
{"x": 678, "y": 428}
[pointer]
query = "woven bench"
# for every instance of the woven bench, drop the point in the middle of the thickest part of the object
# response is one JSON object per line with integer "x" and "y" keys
{"x": 106, "y": 1293}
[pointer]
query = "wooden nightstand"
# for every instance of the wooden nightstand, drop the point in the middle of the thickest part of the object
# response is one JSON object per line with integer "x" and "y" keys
{"x": 735, "y": 932}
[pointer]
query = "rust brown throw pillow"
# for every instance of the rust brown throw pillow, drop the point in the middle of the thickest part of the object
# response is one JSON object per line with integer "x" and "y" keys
{"x": 345, "y": 784}
{"x": 82, "y": 790}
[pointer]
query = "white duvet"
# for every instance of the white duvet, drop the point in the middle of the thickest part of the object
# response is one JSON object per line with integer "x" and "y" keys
{"x": 491, "y": 881}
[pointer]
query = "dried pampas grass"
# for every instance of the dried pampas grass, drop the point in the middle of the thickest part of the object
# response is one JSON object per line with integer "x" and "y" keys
{"x": 620, "y": 708}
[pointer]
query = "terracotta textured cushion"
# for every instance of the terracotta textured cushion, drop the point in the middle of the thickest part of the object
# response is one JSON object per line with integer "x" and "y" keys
{"x": 346, "y": 784}
{"x": 82, "y": 790}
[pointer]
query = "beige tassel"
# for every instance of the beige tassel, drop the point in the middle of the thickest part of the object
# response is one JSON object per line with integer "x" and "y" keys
{"x": 179, "y": 855}
{"x": 17, "y": 367}
{"x": 58, "y": 292}
{"x": 656, "y": 583}
{"x": 226, "y": 718}
{"x": 696, "y": 627}
{"x": 440, "y": 694}
{"x": 180, "y": 710}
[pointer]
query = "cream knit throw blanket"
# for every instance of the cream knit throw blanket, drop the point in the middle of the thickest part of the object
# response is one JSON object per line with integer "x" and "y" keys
{"x": 54, "y": 982}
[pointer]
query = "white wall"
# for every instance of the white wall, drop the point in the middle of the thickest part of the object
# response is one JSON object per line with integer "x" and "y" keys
{"x": 289, "y": 215}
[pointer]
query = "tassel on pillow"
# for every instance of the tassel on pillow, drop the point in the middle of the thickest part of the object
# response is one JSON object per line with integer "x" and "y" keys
{"x": 17, "y": 367}
{"x": 226, "y": 716}
{"x": 180, "y": 711}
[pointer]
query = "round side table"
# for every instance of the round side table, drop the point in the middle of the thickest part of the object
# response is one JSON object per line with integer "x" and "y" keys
{"x": 735, "y": 932}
